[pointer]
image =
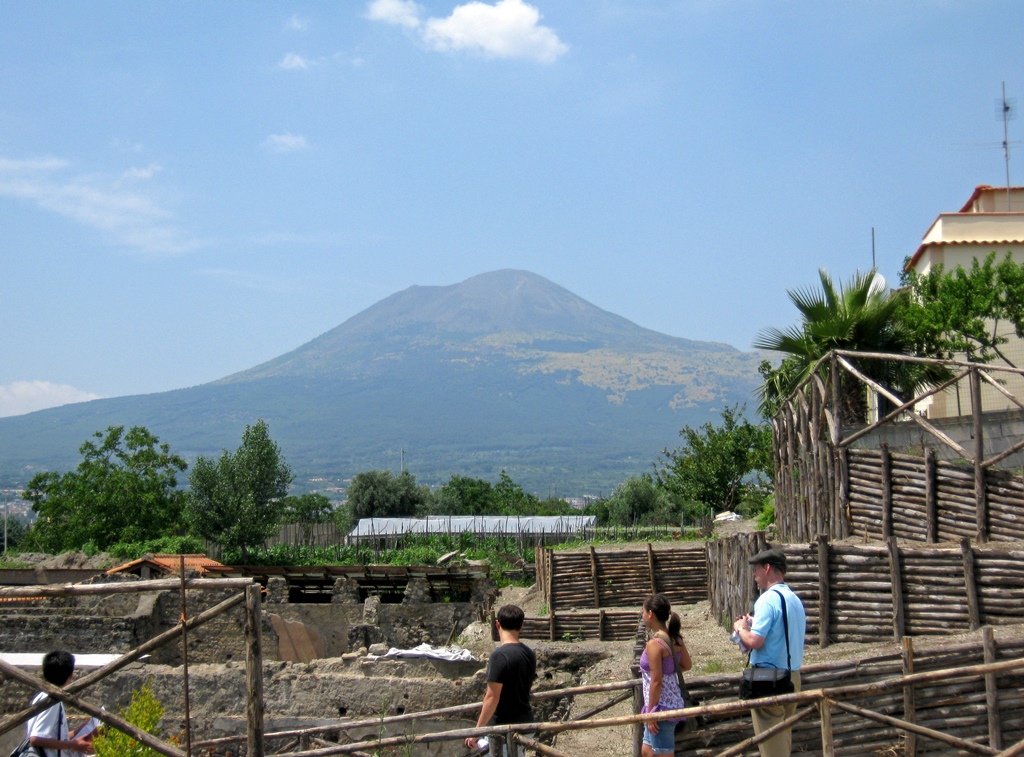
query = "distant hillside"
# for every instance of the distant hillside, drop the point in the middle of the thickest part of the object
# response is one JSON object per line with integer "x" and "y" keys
{"x": 506, "y": 370}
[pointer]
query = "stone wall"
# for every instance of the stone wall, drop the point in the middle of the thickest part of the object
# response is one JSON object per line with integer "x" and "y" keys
{"x": 1001, "y": 431}
{"x": 291, "y": 631}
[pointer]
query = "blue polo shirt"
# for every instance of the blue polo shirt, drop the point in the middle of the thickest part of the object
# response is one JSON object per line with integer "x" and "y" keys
{"x": 768, "y": 624}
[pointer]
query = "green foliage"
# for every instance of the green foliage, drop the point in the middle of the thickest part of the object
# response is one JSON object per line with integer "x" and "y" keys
{"x": 144, "y": 712}
{"x": 307, "y": 508}
{"x": 17, "y": 533}
{"x": 767, "y": 516}
{"x": 639, "y": 500}
{"x": 719, "y": 466}
{"x": 960, "y": 311}
{"x": 381, "y": 494}
{"x": 861, "y": 314}
{"x": 167, "y": 545}
{"x": 125, "y": 489}
{"x": 511, "y": 499}
{"x": 306, "y": 511}
{"x": 462, "y": 495}
{"x": 238, "y": 501}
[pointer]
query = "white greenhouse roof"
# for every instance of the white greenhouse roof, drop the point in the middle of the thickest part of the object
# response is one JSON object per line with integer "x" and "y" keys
{"x": 478, "y": 524}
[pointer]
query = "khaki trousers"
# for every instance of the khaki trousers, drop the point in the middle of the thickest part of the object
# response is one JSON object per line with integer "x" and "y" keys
{"x": 781, "y": 744}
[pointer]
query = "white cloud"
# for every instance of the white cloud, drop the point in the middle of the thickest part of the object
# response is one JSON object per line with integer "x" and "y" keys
{"x": 126, "y": 215}
{"x": 507, "y": 29}
{"x": 296, "y": 24}
{"x": 293, "y": 62}
{"x": 399, "y": 12}
{"x": 143, "y": 174}
{"x": 22, "y": 397}
{"x": 285, "y": 142}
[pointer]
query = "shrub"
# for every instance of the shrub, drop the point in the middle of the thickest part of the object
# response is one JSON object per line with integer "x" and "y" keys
{"x": 144, "y": 712}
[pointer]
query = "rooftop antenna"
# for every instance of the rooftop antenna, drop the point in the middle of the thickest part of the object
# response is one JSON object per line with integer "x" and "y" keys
{"x": 1007, "y": 111}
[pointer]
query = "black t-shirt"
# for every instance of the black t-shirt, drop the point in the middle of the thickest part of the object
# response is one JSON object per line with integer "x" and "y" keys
{"x": 514, "y": 666}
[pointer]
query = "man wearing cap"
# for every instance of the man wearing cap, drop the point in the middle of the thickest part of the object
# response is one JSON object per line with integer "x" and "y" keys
{"x": 763, "y": 634}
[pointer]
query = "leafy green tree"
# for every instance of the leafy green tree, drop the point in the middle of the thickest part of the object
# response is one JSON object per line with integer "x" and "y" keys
{"x": 861, "y": 314}
{"x": 17, "y": 533}
{"x": 382, "y": 494}
{"x": 238, "y": 501}
{"x": 963, "y": 311}
{"x": 719, "y": 466}
{"x": 640, "y": 501}
{"x": 463, "y": 495}
{"x": 306, "y": 511}
{"x": 125, "y": 489}
{"x": 511, "y": 499}
{"x": 307, "y": 508}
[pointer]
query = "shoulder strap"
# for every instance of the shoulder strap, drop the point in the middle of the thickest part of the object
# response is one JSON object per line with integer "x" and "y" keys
{"x": 675, "y": 666}
{"x": 785, "y": 628}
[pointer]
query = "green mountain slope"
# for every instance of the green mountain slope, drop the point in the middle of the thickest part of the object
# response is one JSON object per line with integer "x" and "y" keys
{"x": 503, "y": 371}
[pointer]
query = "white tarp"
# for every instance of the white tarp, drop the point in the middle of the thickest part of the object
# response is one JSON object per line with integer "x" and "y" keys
{"x": 426, "y": 650}
{"x": 35, "y": 659}
{"x": 474, "y": 524}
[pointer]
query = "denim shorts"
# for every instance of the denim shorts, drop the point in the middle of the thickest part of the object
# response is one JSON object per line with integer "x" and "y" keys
{"x": 664, "y": 741}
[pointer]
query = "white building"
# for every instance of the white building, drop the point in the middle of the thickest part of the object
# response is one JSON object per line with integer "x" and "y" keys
{"x": 991, "y": 220}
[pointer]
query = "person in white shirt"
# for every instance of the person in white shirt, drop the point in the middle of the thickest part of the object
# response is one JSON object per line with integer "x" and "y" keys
{"x": 48, "y": 730}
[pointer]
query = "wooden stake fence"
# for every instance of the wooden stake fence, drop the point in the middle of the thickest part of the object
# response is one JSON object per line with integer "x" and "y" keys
{"x": 825, "y": 485}
{"x": 878, "y": 592}
{"x": 621, "y": 578}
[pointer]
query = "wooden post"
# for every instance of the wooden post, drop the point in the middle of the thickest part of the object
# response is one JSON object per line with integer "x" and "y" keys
{"x": 825, "y": 712}
{"x": 886, "y": 492}
{"x": 638, "y": 728}
{"x": 837, "y": 413}
{"x": 551, "y": 624}
{"x": 254, "y": 670}
{"x": 593, "y": 576}
{"x": 184, "y": 658}
{"x": 970, "y": 583}
{"x": 995, "y": 730}
{"x": 600, "y": 625}
{"x": 650, "y": 567}
{"x": 823, "y": 592}
{"x": 931, "y": 495}
{"x": 844, "y": 492}
{"x": 896, "y": 577}
{"x": 909, "y": 700}
{"x": 980, "y": 500}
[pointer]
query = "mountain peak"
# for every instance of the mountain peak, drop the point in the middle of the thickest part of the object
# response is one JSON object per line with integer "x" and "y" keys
{"x": 513, "y": 308}
{"x": 505, "y": 300}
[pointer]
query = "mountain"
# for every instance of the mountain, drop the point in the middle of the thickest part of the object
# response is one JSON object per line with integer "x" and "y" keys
{"x": 505, "y": 370}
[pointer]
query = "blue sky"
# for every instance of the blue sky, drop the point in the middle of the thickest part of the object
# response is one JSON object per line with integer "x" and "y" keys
{"x": 187, "y": 190}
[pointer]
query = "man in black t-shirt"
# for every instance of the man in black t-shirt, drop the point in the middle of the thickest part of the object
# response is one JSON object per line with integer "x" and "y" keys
{"x": 510, "y": 673}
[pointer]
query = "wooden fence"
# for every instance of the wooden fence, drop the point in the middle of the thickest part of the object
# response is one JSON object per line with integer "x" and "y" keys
{"x": 823, "y": 485}
{"x": 598, "y": 579}
{"x": 986, "y": 709}
{"x": 879, "y": 592}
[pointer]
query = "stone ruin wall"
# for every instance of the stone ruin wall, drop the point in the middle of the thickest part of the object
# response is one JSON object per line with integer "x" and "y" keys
{"x": 316, "y": 666}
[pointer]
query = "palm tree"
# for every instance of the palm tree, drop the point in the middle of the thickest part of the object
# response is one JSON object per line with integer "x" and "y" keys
{"x": 862, "y": 314}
